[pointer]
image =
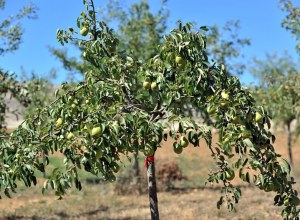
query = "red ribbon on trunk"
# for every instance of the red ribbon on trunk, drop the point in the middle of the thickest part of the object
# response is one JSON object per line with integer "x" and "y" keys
{"x": 149, "y": 159}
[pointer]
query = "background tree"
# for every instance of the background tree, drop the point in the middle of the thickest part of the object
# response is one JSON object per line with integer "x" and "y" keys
{"x": 11, "y": 30}
{"x": 277, "y": 92}
{"x": 292, "y": 20}
{"x": 9, "y": 85}
{"x": 40, "y": 88}
{"x": 224, "y": 45}
{"x": 115, "y": 111}
{"x": 10, "y": 38}
{"x": 279, "y": 79}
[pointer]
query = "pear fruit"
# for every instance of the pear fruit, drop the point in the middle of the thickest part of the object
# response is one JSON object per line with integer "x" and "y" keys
{"x": 84, "y": 31}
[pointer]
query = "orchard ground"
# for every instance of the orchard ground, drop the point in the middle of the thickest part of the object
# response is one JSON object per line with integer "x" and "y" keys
{"x": 191, "y": 198}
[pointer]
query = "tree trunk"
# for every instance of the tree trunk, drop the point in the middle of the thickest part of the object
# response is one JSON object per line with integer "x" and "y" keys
{"x": 152, "y": 187}
{"x": 136, "y": 169}
{"x": 289, "y": 140}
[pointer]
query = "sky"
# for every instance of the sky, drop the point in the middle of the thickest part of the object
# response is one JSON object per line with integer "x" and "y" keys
{"x": 260, "y": 20}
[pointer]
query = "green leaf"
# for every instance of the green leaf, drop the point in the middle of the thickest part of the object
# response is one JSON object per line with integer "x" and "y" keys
{"x": 249, "y": 144}
{"x": 285, "y": 166}
{"x": 205, "y": 28}
{"x": 173, "y": 118}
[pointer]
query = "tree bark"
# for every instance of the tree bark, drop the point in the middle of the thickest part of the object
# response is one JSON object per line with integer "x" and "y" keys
{"x": 289, "y": 140}
{"x": 152, "y": 188}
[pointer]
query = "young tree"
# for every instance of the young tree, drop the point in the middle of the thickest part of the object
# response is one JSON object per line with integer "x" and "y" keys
{"x": 277, "y": 91}
{"x": 139, "y": 32}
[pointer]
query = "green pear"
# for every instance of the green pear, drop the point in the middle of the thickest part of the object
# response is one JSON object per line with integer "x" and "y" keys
{"x": 183, "y": 141}
{"x": 84, "y": 31}
{"x": 59, "y": 122}
{"x": 96, "y": 131}
{"x": 146, "y": 84}
{"x": 225, "y": 95}
{"x": 258, "y": 117}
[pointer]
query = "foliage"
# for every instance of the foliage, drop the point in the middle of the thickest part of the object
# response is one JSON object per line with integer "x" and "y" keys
{"x": 291, "y": 22}
{"x": 114, "y": 112}
{"x": 279, "y": 92}
{"x": 278, "y": 85}
{"x": 8, "y": 85}
{"x": 139, "y": 31}
{"x": 40, "y": 89}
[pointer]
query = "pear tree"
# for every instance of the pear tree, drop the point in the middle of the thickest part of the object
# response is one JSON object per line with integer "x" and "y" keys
{"x": 139, "y": 30}
{"x": 278, "y": 91}
{"x": 114, "y": 112}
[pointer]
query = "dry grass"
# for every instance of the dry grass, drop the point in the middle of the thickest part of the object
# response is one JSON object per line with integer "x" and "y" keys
{"x": 98, "y": 201}
{"x": 95, "y": 202}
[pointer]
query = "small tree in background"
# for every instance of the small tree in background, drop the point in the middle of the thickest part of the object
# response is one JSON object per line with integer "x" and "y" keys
{"x": 224, "y": 45}
{"x": 9, "y": 85}
{"x": 11, "y": 30}
{"x": 292, "y": 20}
{"x": 10, "y": 38}
{"x": 124, "y": 105}
{"x": 41, "y": 90}
{"x": 277, "y": 92}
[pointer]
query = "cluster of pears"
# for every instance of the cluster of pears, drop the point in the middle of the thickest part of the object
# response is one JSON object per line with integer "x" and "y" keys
{"x": 147, "y": 84}
{"x": 183, "y": 143}
{"x": 225, "y": 96}
{"x": 223, "y": 104}
{"x": 95, "y": 131}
